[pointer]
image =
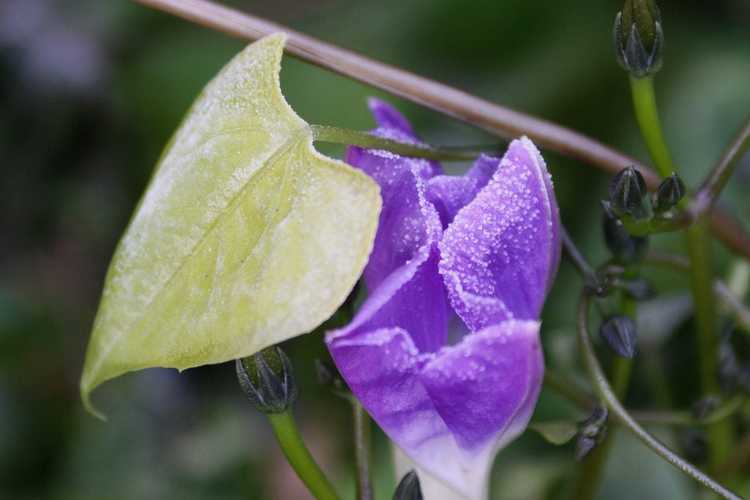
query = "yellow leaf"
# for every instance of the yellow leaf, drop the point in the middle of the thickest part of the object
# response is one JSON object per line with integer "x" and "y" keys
{"x": 245, "y": 236}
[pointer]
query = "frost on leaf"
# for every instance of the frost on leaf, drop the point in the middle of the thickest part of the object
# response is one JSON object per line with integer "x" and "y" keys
{"x": 245, "y": 237}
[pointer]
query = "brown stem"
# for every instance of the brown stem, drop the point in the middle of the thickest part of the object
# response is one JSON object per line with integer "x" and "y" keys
{"x": 491, "y": 117}
{"x": 719, "y": 176}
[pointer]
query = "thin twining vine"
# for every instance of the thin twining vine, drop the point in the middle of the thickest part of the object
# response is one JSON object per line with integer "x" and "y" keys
{"x": 607, "y": 396}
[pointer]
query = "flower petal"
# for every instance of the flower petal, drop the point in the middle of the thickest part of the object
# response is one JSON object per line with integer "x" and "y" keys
{"x": 412, "y": 299}
{"x": 450, "y": 411}
{"x": 502, "y": 250}
{"x": 407, "y": 219}
{"x": 486, "y": 387}
{"x": 450, "y": 193}
{"x": 389, "y": 117}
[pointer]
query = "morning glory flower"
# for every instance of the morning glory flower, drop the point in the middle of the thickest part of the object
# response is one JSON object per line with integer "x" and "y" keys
{"x": 445, "y": 354}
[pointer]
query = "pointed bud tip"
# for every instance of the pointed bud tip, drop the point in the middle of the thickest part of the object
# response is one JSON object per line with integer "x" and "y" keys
{"x": 620, "y": 335}
{"x": 638, "y": 37}
{"x": 628, "y": 193}
{"x": 592, "y": 432}
{"x": 408, "y": 488}
{"x": 669, "y": 193}
{"x": 268, "y": 380}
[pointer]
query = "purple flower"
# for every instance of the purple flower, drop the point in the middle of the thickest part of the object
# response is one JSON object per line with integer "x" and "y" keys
{"x": 445, "y": 353}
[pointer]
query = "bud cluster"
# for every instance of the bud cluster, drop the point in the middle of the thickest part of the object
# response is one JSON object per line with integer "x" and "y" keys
{"x": 629, "y": 201}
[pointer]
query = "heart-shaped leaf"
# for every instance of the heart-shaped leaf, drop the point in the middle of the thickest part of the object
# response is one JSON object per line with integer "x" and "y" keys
{"x": 245, "y": 237}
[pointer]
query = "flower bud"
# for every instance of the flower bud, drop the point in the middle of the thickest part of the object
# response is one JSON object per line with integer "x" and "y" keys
{"x": 592, "y": 432}
{"x": 408, "y": 488}
{"x": 639, "y": 38}
{"x": 627, "y": 249}
{"x": 669, "y": 193}
{"x": 628, "y": 193}
{"x": 620, "y": 334}
{"x": 268, "y": 380}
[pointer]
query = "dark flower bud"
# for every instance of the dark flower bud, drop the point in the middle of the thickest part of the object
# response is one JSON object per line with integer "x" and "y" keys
{"x": 627, "y": 249}
{"x": 669, "y": 193}
{"x": 628, "y": 193}
{"x": 268, "y": 380}
{"x": 620, "y": 335}
{"x": 638, "y": 288}
{"x": 408, "y": 488}
{"x": 639, "y": 38}
{"x": 592, "y": 432}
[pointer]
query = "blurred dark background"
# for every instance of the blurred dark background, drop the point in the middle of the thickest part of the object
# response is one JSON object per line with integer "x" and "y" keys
{"x": 90, "y": 91}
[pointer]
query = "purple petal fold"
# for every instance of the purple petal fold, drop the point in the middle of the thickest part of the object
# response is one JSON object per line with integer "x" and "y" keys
{"x": 450, "y": 193}
{"x": 450, "y": 411}
{"x": 502, "y": 250}
{"x": 406, "y": 217}
{"x": 488, "y": 384}
{"x": 389, "y": 117}
{"x": 483, "y": 247}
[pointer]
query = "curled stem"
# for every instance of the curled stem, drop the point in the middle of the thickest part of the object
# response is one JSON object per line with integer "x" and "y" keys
{"x": 299, "y": 456}
{"x": 608, "y": 397}
{"x": 442, "y": 98}
{"x": 591, "y": 475}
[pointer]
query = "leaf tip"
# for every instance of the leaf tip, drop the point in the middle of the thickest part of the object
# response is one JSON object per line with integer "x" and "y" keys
{"x": 88, "y": 405}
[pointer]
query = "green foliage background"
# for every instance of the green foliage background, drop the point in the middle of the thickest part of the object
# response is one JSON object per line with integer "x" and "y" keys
{"x": 90, "y": 91}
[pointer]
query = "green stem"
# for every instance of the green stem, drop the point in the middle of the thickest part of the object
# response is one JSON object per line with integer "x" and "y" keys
{"x": 299, "y": 457}
{"x": 699, "y": 249}
{"x": 619, "y": 413}
{"x": 622, "y": 367}
{"x": 338, "y": 135}
{"x": 644, "y": 102}
{"x": 362, "y": 451}
{"x": 720, "y": 434}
